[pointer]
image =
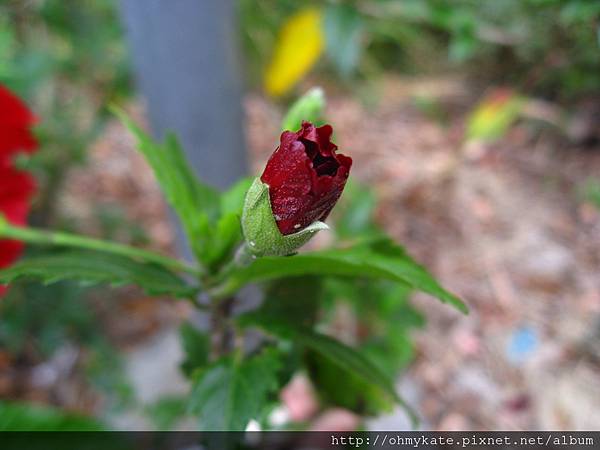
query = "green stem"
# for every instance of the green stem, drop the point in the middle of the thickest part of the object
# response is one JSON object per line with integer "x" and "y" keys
{"x": 222, "y": 286}
{"x": 37, "y": 236}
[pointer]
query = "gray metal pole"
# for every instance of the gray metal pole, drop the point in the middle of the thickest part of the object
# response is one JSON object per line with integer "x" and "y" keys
{"x": 189, "y": 71}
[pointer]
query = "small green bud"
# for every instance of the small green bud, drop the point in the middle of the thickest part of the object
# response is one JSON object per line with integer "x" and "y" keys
{"x": 307, "y": 108}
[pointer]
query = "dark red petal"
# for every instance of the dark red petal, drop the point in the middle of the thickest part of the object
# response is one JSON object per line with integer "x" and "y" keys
{"x": 305, "y": 177}
{"x": 288, "y": 174}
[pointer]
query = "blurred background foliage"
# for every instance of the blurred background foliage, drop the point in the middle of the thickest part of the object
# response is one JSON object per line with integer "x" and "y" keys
{"x": 546, "y": 47}
{"x": 68, "y": 61}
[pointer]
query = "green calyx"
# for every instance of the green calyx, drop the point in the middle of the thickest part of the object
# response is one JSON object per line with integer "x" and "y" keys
{"x": 261, "y": 233}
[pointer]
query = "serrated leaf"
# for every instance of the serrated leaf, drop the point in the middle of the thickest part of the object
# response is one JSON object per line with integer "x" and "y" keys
{"x": 231, "y": 392}
{"x": 90, "y": 268}
{"x": 341, "y": 355}
{"x": 197, "y": 204}
{"x": 25, "y": 417}
{"x": 379, "y": 258}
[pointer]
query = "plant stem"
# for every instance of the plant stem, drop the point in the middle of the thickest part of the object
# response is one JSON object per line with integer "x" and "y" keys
{"x": 37, "y": 236}
{"x": 222, "y": 334}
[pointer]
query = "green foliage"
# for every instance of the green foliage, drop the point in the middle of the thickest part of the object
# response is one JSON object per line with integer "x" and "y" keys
{"x": 39, "y": 320}
{"x": 230, "y": 392}
{"x": 353, "y": 216}
{"x": 550, "y": 45}
{"x": 67, "y": 61}
{"x": 344, "y": 30}
{"x": 377, "y": 258}
{"x": 591, "y": 192}
{"x": 232, "y": 383}
{"x": 211, "y": 220}
{"x": 197, "y": 204}
{"x": 25, "y": 417}
{"x": 297, "y": 297}
{"x": 310, "y": 107}
{"x": 338, "y": 386}
{"x": 167, "y": 411}
{"x": 344, "y": 357}
{"x": 196, "y": 346}
{"x": 91, "y": 268}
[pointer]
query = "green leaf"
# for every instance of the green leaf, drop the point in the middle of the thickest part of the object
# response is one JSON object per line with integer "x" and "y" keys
{"x": 57, "y": 239}
{"x": 232, "y": 200}
{"x": 196, "y": 346}
{"x": 25, "y": 417}
{"x": 196, "y": 203}
{"x": 92, "y": 268}
{"x": 379, "y": 258}
{"x": 354, "y": 214}
{"x": 232, "y": 391}
{"x": 167, "y": 411}
{"x": 343, "y": 34}
{"x": 228, "y": 230}
{"x": 297, "y": 297}
{"x": 340, "y": 387}
{"x": 310, "y": 107}
{"x": 341, "y": 355}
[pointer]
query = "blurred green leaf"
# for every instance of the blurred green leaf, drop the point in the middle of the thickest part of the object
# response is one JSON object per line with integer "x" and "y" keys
{"x": 196, "y": 346}
{"x": 310, "y": 107}
{"x": 343, "y": 36}
{"x": 232, "y": 391}
{"x": 197, "y": 204}
{"x": 232, "y": 200}
{"x": 340, "y": 387}
{"x": 354, "y": 214}
{"x": 27, "y": 417}
{"x": 494, "y": 115}
{"x": 91, "y": 268}
{"x": 297, "y": 297}
{"x": 346, "y": 358}
{"x": 591, "y": 192}
{"x": 167, "y": 411}
{"x": 377, "y": 258}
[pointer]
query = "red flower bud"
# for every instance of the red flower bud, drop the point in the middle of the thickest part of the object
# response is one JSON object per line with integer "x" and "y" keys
{"x": 16, "y": 187}
{"x": 305, "y": 177}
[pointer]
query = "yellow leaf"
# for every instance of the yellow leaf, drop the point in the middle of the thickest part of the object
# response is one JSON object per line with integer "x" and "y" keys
{"x": 494, "y": 115}
{"x": 299, "y": 46}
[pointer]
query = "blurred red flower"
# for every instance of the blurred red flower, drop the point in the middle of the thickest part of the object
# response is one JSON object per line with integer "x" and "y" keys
{"x": 305, "y": 176}
{"x": 15, "y": 127}
{"x": 16, "y": 187}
